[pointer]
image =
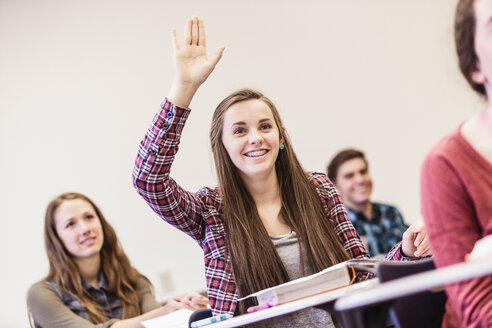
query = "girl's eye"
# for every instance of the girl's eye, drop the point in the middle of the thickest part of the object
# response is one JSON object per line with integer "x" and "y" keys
{"x": 266, "y": 126}
{"x": 239, "y": 130}
{"x": 89, "y": 216}
{"x": 69, "y": 225}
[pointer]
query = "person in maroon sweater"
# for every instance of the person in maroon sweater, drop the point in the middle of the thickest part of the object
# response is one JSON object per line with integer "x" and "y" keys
{"x": 456, "y": 178}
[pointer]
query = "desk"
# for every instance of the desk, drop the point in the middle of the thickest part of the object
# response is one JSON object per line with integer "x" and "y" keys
{"x": 415, "y": 284}
{"x": 294, "y": 306}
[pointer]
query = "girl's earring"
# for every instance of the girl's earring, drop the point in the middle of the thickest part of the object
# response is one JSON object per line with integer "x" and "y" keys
{"x": 281, "y": 145}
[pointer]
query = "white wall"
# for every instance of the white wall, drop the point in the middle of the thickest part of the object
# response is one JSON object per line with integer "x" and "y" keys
{"x": 80, "y": 81}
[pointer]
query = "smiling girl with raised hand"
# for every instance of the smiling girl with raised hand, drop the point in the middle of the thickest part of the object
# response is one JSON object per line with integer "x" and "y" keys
{"x": 268, "y": 221}
{"x": 91, "y": 282}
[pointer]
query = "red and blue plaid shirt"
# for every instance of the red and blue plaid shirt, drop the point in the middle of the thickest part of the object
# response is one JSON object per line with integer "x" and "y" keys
{"x": 199, "y": 214}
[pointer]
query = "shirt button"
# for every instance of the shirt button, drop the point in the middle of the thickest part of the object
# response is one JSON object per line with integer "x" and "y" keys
{"x": 169, "y": 114}
{"x": 165, "y": 126}
{"x": 152, "y": 151}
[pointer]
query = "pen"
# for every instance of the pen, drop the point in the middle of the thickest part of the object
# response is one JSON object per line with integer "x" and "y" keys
{"x": 210, "y": 320}
{"x": 258, "y": 308}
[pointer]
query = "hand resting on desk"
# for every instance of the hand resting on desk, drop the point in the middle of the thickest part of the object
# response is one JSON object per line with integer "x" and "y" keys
{"x": 191, "y": 301}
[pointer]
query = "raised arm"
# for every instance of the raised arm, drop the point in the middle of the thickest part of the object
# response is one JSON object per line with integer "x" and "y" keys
{"x": 151, "y": 173}
{"x": 191, "y": 63}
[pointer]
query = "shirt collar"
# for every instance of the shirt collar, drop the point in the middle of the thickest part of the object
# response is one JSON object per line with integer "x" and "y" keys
{"x": 103, "y": 282}
{"x": 356, "y": 215}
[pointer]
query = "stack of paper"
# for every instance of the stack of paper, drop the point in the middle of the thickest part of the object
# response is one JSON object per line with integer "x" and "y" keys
{"x": 177, "y": 319}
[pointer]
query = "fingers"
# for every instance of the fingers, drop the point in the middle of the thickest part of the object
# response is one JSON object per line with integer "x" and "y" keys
{"x": 419, "y": 237}
{"x": 186, "y": 303}
{"x": 175, "y": 40}
{"x": 216, "y": 56}
{"x": 421, "y": 242}
{"x": 408, "y": 235}
{"x": 423, "y": 252}
{"x": 411, "y": 234}
{"x": 173, "y": 305}
{"x": 197, "y": 301}
{"x": 194, "y": 31}
{"x": 415, "y": 241}
{"x": 191, "y": 301}
{"x": 187, "y": 32}
{"x": 424, "y": 248}
{"x": 408, "y": 240}
{"x": 415, "y": 228}
{"x": 201, "y": 302}
{"x": 201, "y": 34}
{"x": 427, "y": 252}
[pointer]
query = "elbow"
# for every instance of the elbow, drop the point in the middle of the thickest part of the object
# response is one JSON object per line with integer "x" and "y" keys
{"x": 139, "y": 182}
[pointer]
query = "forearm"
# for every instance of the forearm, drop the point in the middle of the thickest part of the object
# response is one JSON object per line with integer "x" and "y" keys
{"x": 151, "y": 177}
{"x": 160, "y": 144}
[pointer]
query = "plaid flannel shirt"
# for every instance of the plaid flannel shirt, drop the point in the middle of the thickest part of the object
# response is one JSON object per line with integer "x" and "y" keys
{"x": 200, "y": 215}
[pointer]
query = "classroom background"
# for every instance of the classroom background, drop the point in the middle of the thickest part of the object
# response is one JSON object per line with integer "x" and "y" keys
{"x": 80, "y": 82}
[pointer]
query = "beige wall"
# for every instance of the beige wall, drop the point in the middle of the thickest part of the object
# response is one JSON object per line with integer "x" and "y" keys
{"x": 80, "y": 81}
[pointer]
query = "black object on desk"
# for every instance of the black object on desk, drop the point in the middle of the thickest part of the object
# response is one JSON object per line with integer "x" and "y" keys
{"x": 424, "y": 309}
{"x": 199, "y": 315}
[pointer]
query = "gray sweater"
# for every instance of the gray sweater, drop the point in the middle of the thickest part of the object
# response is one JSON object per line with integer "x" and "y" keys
{"x": 52, "y": 307}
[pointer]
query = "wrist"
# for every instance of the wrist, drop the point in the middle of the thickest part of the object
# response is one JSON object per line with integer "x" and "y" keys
{"x": 181, "y": 93}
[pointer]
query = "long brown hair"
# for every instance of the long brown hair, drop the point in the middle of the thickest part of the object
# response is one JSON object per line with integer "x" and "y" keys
{"x": 255, "y": 262}
{"x": 122, "y": 277}
{"x": 464, "y": 37}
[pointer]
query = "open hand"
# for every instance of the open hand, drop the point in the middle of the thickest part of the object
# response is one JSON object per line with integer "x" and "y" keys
{"x": 191, "y": 63}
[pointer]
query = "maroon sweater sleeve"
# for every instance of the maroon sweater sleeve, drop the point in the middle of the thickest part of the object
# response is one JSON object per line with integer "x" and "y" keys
{"x": 451, "y": 207}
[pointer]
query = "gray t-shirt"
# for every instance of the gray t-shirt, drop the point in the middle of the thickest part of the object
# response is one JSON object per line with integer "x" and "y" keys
{"x": 287, "y": 248}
